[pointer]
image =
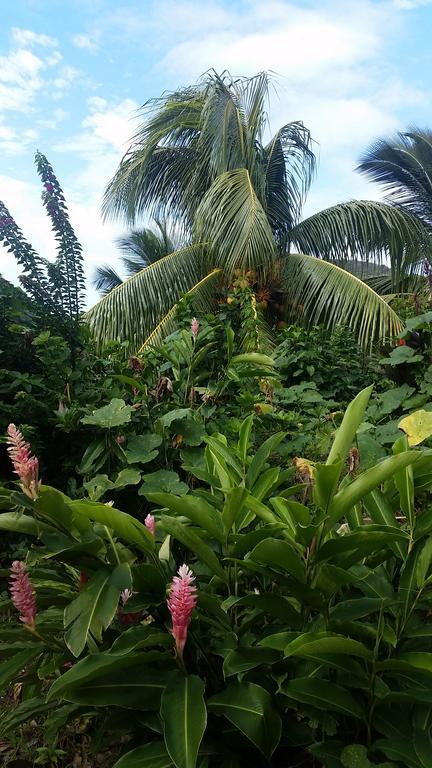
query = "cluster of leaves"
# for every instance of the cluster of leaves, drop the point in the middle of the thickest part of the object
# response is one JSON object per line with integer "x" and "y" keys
{"x": 309, "y": 640}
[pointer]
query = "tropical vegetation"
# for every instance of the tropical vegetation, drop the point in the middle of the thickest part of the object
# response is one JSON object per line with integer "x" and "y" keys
{"x": 215, "y": 484}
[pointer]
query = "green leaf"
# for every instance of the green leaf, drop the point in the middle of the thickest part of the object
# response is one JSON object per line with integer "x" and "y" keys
{"x": 152, "y": 755}
{"x": 279, "y": 555}
{"x": 13, "y": 521}
{"x": 178, "y": 414}
{"x": 261, "y": 457}
{"x": 243, "y": 659}
{"x": 162, "y": 480}
{"x": 125, "y": 526}
{"x": 112, "y": 415}
{"x": 193, "y": 542}
{"x": 106, "y": 679}
{"x": 361, "y": 541}
{"x": 349, "y": 496}
{"x": 184, "y": 717}
{"x": 233, "y": 506}
{"x": 97, "y": 486}
{"x": 318, "y": 645}
{"x": 141, "y": 448}
{"x": 244, "y": 437}
{"x": 323, "y": 695}
{"x": 249, "y": 708}
{"x": 95, "y": 607}
{"x": 404, "y": 481}
{"x": 353, "y": 417}
{"x": 195, "y": 509}
{"x": 127, "y": 476}
{"x": 94, "y": 457}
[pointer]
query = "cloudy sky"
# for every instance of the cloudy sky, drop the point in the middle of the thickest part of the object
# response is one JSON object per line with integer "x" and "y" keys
{"x": 73, "y": 75}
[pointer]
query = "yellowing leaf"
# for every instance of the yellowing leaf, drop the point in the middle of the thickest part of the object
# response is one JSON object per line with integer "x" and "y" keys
{"x": 418, "y": 426}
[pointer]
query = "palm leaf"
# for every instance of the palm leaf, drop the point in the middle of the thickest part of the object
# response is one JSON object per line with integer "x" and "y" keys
{"x": 105, "y": 279}
{"x": 202, "y": 296}
{"x": 133, "y": 309}
{"x": 324, "y": 292}
{"x": 360, "y": 229}
{"x": 232, "y": 220}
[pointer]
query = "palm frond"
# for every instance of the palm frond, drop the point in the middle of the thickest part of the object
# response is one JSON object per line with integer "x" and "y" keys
{"x": 133, "y": 309}
{"x": 105, "y": 279}
{"x": 232, "y": 220}
{"x": 324, "y": 292}
{"x": 360, "y": 229}
{"x": 402, "y": 166}
{"x": 202, "y": 295}
{"x": 290, "y": 166}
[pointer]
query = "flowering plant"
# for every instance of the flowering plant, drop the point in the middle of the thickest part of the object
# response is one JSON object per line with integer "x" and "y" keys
{"x": 278, "y": 619}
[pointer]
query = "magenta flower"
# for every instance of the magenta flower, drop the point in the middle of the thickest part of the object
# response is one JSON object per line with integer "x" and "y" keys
{"x": 22, "y": 594}
{"x": 194, "y": 327}
{"x": 181, "y": 602}
{"x": 25, "y": 465}
{"x": 150, "y": 524}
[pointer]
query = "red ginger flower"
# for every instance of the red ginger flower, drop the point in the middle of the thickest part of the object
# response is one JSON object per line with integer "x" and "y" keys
{"x": 150, "y": 524}
{"x": 22, "y": 594}
{"x": 402, "y": 342}
{"x": 181, "y": 602}
{"x": 194, "y": 327}
{"x": 25, "y": 465}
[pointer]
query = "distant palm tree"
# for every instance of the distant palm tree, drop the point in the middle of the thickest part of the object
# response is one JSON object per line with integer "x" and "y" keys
{"x": 139, "y": 248}
{"x": 201, "y": 159}
{"x": 402, "y": 165}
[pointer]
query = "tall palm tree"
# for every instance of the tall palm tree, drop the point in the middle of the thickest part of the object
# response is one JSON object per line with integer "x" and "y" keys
{"x": 402, "y": 166}
{"x": 139, "y": 249}
{"x": 201, "y": 158}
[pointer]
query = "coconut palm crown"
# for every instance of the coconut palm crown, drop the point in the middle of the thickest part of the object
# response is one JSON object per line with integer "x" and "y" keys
{"x": 201, "y": 158}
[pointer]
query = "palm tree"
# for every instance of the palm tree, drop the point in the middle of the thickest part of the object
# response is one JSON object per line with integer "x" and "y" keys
{"x": 139, "y": 248}
{"x": 201, "y": 158}
{"x": 402, "y": 165}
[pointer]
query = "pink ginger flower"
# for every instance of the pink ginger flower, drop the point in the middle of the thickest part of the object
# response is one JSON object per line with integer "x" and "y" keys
{"x": 194, "y": 327}
{"x": 181, "y": 602}
{"x": 25, "y": 465}
{"x": 150, "y": 524}
{"x": 22, "y": 594}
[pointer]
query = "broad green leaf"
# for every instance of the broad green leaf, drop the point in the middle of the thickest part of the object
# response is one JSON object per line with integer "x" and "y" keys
{"x": 381, "y": 513}
{"x": 326, "y": 478}
{"x": 349, "y": 610}
{"x": 249, "y": 708}
{"x": 127, "y": 476}
{"x": 225, "y": 454}
{"x": 417, "y": 426}
{"x": 354, "y": 415}
{"x": 151, "y": 755}
{"x": 233, "y": 506}
{"x": 349, "y": 496}
{"x": 356, "y": 756}
{"x": 163, "y": 480}
{"x": 362, "y": 541}
{"x": 125, "y": 526}
{"x": 94, "y": 457}
{"x": 404, "y": 481}
{"x": 193, "y": 542}
{"x": 17, "y": 523}
{"x": 105, "y": 679}
{"x": 243, "y": 659}
{"x": 112, "y": 415}
{"x": 97, "y": 486}
{"x": 261, "y": 456}
{"x": 184, "y": 717}
{"x": 95, "y": 607}
{"x": 141, "y": 449}
{"x": 279, "y": 555}
{"x": 269, "y": 603}
{"x": 176, "y": 415}
{"x": 320, "y": 644}
{"x": 195, "y": 509}
{"x": 323, "y": 695}
{"x": 244, "y": 437}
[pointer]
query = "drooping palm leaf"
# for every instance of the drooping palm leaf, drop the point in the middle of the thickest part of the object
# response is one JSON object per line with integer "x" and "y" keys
{"x": 360, "y": 229}
{"x": 133, "y": 309}
{"x": 202, "y": 295}
{"x": 232, "y": 220}
{"x": 324, "y": 292}
{"x": 105, "y": 279}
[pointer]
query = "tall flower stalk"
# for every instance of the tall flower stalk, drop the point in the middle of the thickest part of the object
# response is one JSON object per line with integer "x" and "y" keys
{"x": 181, "y": 602}
{"x": 25, "y": 465}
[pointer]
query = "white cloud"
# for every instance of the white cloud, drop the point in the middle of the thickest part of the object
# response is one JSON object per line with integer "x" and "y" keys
{"x": 85, "y": 41}
{"x": 27, "y": 38}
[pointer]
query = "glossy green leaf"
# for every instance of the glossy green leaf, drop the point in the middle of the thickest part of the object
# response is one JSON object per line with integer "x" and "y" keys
{"x": 184, "y": 717}
{"x": 115, "y": 414}
{"x": 194, "y": 543}
{"x": 353, "y": 417}
{"x": 197, "y": 510}
{"x": 249, "y": 708}
{"x": 320, "y": 694}
{"x": 279, "y": 555}
{"x": 151, "y": 755}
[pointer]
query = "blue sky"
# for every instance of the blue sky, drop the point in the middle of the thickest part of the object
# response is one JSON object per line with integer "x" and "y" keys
{"x": 72, "y": 76}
